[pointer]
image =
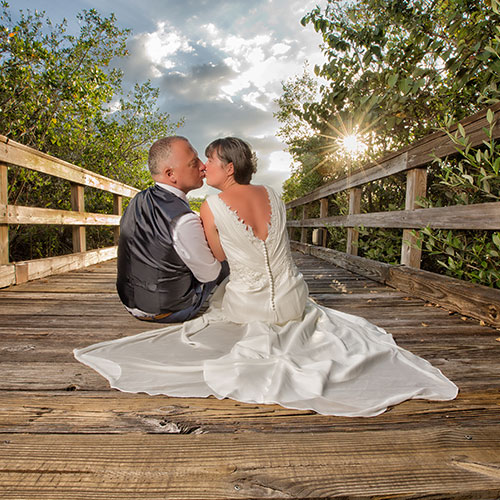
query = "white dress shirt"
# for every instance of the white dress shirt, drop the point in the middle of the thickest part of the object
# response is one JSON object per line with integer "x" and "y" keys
{"x": 190, "y": 243}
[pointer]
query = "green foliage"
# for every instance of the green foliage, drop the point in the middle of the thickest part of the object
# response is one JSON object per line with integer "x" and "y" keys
{"x": 395, "y": 70}
{"x": 471, "y": 177}
{"x": 337, "y": 238}
{"x": 195, "y": 203}
{"x": 402, "y": 66}
{"x": 60, "y": 94}
{"x": 383, "y": 245}
{"x": 53, "y": 82}
{"x": 469, "y": 255}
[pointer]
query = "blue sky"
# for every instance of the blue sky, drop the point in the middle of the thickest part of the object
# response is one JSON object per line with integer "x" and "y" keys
{"x": 218, "y": 64}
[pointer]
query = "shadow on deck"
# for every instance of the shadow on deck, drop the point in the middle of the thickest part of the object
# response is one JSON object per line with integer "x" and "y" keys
{"x": 66, "y": 435}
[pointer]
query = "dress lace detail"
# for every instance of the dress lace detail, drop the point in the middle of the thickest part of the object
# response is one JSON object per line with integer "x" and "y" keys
{"x": 263, "y": 341}
{"x": 244, "y": 275}
{"x": 248, "y": 229}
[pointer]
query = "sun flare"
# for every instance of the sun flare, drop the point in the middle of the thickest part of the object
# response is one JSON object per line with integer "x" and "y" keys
{"x": 353, "y": 145}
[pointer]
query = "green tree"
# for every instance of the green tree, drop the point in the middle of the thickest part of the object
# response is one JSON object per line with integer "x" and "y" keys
{"x": 394, "y": 71}
{"x": 60, "y": 94}
{"x": 400, "y": 67}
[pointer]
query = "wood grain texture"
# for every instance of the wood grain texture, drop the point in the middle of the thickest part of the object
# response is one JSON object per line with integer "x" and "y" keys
{"x": 66, "y": 435}
{"x": 296, "y": 466}
{"x": 477, "y": 301}
{"x": 416, "y": 188}
{"x": 4, "y": 228}
{"x": 114, "y": 412}
{"x": 34, "y": 269}
{"x": 354, "y": 208}
{"x": 14, "y": 153}
{"x": 479, "y": 216}
{"x": 33, "y": 215}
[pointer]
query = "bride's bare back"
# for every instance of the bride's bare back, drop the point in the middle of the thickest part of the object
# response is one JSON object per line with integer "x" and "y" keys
{"x": 251, "y": 205}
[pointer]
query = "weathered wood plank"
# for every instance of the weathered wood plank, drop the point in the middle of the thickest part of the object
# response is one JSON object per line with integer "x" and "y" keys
{"x": 479, "y": 216}
{"x": 7, "y": 275}
{"x": 354, "y": 209}
{"x": 416, "y": 187}
{"x": 444, "y": 462}
{"x": 4, "y": 228}
{"x": 78, "y": 205}
{"x": 17, "y": 154}
{"x": 113, "y": 412}
{"x": 389, "y": 165}
{"x": 34, "y": 269}
{"x": 440, "y": 145}
{"x": 66, "y": 435}
{"x": 33, "y": 215}
{"x": 473, "y": 300}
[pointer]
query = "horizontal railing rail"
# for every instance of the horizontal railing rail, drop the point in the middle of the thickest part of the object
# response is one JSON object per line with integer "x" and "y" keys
{"x": 420, "y": 154}
{"x": 17, "y": 155}
{"x": 414, "y": 160}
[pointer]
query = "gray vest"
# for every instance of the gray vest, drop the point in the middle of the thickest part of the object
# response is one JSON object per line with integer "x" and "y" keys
{"x": 151, "y": 275}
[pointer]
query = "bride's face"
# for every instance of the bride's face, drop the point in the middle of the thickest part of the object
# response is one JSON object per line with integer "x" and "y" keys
{"x": 215, "y": 170}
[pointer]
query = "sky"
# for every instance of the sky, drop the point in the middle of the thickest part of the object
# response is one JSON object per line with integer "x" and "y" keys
{"x": 219, "y": 64}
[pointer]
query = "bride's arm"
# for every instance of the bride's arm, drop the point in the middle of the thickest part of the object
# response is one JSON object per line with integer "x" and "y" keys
{"x": 211, "y": 232}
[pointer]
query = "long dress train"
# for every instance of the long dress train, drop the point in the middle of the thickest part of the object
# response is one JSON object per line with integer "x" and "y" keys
{"x": 262, "y": 340}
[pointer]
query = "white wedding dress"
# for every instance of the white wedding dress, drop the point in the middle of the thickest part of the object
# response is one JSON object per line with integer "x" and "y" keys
{"x": 262, "y": 340}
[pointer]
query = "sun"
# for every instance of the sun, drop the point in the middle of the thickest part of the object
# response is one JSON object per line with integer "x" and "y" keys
{"x": 353, "y": 145}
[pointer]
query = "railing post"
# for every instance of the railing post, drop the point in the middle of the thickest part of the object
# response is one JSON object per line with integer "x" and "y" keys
{"x": 291, "y": 229}
{"x": 78, "y": 205}
{"x": 4, "y": 228}
{"x": 354, "y": 208}
{"x": 117, "y": 210}
{"x": 416, "y": 186}
{"x": 303, "y": 232}
{"x": 323, "y": 212}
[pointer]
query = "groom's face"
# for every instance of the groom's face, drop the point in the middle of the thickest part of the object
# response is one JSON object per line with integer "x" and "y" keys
{"x": 187, "y": 169}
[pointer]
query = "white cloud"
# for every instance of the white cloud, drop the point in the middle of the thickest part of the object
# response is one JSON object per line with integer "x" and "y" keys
{"x": 280, "y": 161}
{"x": 255, "y": 100}
{"x": 279, "y": 49}
{"x": 161, "y": 45}
{"x": 217, "y": 64}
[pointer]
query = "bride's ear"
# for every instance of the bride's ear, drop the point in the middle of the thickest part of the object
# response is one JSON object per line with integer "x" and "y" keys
{"x": 229, "y": 168}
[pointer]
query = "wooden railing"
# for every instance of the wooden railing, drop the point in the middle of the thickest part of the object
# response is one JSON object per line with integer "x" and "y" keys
{"x": 474, "y": 300}
{"x": 17, "y": 155}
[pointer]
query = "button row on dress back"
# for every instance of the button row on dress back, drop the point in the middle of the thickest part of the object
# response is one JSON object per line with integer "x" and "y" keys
{"x": 270, "y": 275}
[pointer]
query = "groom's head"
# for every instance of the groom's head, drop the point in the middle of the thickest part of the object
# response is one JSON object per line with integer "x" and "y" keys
{"x": 173, "y": 161}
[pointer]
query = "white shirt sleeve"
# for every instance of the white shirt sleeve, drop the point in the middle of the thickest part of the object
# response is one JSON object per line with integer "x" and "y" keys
{"x": 190, "y": 243}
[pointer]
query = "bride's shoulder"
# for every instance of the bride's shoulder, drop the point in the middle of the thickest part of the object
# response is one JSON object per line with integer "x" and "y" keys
{"x": 272, "y": 192}
{"x": 211, "y": 198}
{"x": 210, "y": 202}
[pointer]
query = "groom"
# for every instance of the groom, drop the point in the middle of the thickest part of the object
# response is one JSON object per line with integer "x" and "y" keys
{"x": 165, "y": 268}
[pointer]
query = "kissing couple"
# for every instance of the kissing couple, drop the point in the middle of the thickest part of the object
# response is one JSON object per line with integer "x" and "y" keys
{"x": 262, "y": 339}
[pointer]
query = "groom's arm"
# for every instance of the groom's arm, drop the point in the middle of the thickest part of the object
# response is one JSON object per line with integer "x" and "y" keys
{"x": 191, "y": 245}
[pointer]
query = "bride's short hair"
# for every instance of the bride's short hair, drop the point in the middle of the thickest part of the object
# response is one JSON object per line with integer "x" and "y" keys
{"x": 239, "y": 153}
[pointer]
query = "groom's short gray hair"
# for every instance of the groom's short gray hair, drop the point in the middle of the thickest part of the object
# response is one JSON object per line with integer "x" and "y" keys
{"x": 160, "y": 151}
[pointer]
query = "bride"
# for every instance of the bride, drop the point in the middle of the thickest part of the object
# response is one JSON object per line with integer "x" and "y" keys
{"x": 262, "y": 340}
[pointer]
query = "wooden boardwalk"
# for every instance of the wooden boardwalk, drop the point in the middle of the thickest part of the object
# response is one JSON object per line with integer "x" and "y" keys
{"x": 66, "y": 435}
